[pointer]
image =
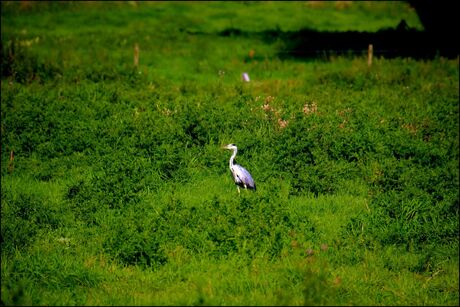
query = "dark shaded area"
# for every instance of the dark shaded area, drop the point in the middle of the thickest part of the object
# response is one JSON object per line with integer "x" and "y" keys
{"x": 438, "y": 17}
{"x": 440, "y": 37}
{"x": 401, "y": 41}
{"x": 390, "y": 43}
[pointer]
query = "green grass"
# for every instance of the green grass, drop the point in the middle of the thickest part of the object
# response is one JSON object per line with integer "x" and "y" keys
{"x": 120, "y": 194}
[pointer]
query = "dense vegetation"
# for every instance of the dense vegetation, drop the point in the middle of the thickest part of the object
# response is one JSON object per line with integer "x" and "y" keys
{"x": 115, "y": 189}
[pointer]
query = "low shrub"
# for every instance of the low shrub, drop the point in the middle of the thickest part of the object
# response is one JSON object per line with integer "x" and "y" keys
{"x": 21, "y": 65}
{"x": 25, "y": 217}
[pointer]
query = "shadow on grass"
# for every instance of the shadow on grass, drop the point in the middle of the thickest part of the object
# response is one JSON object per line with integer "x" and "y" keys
{"x": 401, "y": 41}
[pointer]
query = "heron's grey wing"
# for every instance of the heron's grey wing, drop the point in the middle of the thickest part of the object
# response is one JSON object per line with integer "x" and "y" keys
{"x": 242, "y": 177}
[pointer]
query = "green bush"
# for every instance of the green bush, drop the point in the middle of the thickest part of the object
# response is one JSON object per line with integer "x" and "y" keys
{"x": 25, "y": 217}
{"x": 23, "y": 66}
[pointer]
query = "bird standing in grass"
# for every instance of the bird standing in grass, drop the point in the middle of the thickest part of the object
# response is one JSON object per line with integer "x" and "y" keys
{"x": 241, "y": 176}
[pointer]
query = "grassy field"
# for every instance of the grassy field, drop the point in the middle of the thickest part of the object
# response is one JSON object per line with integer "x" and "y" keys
{"x": 115, "y": 189}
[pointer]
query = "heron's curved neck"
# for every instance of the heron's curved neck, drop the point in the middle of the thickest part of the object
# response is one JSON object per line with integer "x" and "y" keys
{"x": 232, "y": 158}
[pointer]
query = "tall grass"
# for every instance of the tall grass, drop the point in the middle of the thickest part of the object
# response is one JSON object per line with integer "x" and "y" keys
{"x": 115, "y": 190}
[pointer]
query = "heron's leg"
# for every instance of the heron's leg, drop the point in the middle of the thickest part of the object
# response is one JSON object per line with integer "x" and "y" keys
{"x": 238, "y": 189}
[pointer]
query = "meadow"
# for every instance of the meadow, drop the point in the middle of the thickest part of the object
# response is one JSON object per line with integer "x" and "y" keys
{"x": 115, "y": 189}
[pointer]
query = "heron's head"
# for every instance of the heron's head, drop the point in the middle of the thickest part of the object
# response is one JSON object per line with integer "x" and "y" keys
{"x": 230, "y": 146}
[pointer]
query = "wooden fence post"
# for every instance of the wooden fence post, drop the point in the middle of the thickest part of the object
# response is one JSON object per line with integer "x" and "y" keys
{"x": 370, "y": 52}
{"x": 136, "y": 55}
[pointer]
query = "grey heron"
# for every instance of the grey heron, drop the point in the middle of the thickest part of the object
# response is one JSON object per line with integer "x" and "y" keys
{"x": 241, "y": 176}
